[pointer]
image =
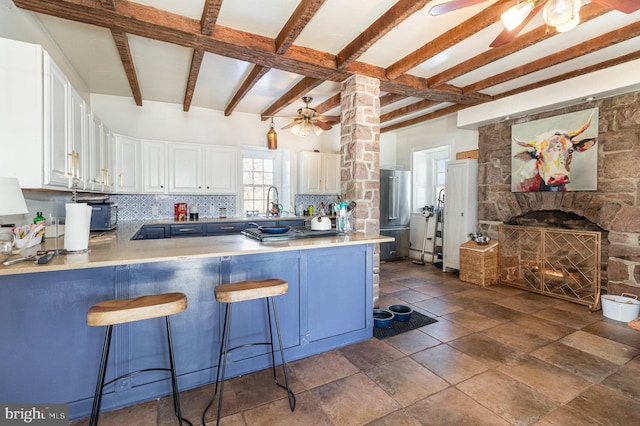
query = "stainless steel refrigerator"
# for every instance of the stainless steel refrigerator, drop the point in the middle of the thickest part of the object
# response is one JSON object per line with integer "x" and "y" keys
{"x": 395, "y": 214}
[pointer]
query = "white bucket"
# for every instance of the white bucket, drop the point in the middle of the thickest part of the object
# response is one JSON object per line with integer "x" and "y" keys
{"x": 620, "y": 308}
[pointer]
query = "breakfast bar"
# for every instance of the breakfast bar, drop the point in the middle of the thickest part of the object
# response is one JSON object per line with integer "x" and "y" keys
{"x": 50, "y": 355}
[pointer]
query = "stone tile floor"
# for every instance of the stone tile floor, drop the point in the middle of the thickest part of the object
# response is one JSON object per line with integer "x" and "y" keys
{"x": 496, "y": 356}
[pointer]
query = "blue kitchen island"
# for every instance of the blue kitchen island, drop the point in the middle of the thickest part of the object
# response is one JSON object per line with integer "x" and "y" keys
{"x": 50, "y": 355}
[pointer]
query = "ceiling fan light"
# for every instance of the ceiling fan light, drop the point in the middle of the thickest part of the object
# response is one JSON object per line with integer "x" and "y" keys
{"x": 296, "y": 129}
{"x": 317, "y": 130}
{"x": 272, "y": 137}
{"x": 569, "y": 25}
{"x": 561, "y": 12}
{"x": 514, "y": 16}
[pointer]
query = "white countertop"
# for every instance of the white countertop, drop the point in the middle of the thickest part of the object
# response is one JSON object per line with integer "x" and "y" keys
{"x": 116, "y": 248}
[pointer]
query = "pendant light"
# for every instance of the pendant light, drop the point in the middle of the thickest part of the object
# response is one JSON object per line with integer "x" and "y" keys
{"x": 272, "y": 137}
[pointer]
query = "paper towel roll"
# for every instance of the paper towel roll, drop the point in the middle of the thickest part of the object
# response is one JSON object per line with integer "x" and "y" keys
{"x": 77, "y": 226}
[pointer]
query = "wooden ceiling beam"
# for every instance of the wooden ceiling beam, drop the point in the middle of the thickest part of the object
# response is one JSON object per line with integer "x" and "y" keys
{"x": 194, "y": 71}
{"x": 256, "y": 73}
{"x": 408, "y": 109}
{"x": 587, "y": 12}
{"x": 108, "y": 4}
{"x": 478, "y": 22}
{"x": 210, "y": 14}
{"x": 584, "y": 48}
{"x": 156, "y": 24}
{"x": 122, "y": 44}
{"x": 329, "y": 104}
{"x": 385, "y": 23}
{"x": 426, "y": 117}
{"x": 294, "y": 94}
{"x": 296, "y": 23}
{"x": 571, "y": 74}
{"x": 390, "y": 98}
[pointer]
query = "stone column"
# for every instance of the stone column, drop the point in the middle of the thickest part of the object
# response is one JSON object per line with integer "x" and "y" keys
{"x": 360, "y": 151}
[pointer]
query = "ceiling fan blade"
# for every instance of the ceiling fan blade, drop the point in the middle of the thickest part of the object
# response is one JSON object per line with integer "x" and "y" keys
{"x": 328, "y": 117}
{"x": 290, "y": 125}
{"x": 450, "y": 6}
{"x": 506, "y": 36}
{"x": 322, "y": 125}
{"x": 625, "y": 6}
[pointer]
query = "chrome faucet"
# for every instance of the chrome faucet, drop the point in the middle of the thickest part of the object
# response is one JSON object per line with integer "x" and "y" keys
{"x": 276, "y": 200}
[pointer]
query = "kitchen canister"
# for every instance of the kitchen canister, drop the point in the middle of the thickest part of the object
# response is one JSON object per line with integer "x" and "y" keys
{"x": 77, "y": 227}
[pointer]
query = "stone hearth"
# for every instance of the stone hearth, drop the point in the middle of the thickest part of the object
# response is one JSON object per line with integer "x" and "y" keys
{"x": 614, "y": 207}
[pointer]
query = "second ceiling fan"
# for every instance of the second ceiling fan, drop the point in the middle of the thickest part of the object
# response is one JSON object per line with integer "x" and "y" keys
{"x": 562, "y": 14}
{"x": 309, "y": 121}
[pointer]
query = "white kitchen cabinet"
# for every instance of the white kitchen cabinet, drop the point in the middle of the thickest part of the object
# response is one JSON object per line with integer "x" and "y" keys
{"x": 99, "y": 175}
{"x": 185, "y": 168}
{"x": 42, "y": 119}
{"x": 220, "y": 170}
{"x": 318, "y": 173}
{"x": 127, "y": 162}
{"x": 154, "y": 167}
{"x": 460, "y": 208}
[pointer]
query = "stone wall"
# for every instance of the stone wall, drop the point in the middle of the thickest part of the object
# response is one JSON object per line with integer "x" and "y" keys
{"x": 615, "y": 206}
{"x": 360, "y": 152}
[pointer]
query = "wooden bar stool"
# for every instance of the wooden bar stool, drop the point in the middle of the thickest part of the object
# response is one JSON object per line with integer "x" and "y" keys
{"x": 240, "y": 292}
{"x": 112, "y": 312}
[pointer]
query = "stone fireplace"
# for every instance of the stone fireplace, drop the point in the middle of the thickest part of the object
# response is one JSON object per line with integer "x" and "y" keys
{"x": 614, "y": 208}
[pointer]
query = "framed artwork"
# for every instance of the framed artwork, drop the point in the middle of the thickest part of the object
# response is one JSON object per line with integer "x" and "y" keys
{"x": 556, "y": 153}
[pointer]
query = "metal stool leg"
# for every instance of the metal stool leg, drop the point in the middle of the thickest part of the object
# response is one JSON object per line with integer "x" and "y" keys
{"x": 222, "y": 361}
{"x": 290, "y": 394}
{"x": 174, "y": 377}
{"x": 97, "y": 397}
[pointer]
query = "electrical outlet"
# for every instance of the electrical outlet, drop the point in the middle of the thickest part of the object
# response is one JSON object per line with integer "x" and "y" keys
{"x": 154, "y": 210}
{"x": 212, "y": 209}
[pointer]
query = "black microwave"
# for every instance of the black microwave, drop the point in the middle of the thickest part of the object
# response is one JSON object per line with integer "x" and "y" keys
{"x": 104, "y": 216}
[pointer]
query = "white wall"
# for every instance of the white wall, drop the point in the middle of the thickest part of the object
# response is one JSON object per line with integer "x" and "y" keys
{"x": 443, "y": 131}
{"x": 19, "y": 24}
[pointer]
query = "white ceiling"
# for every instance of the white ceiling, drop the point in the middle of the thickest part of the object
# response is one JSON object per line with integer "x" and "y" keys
{"x": 162, "y": 68}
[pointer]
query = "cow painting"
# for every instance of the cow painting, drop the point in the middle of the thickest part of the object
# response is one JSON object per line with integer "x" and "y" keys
{"x": 543, "y": 161}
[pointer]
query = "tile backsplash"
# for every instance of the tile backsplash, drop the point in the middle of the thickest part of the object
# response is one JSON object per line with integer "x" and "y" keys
{"x": 150, "y": 206}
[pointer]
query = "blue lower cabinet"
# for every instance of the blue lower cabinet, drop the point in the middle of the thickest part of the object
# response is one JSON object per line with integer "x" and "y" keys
{"x": 50, "y": 355}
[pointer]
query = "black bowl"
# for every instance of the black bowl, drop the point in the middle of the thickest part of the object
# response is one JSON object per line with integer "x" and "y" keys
{"x": 401, "y": 313}
{"x": 382, "y": 318}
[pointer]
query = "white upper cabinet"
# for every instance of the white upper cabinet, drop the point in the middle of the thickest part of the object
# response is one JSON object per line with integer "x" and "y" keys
{"x": 99, "y": 169}
{"x": 185, "y": 168}
{"x": 128, "y": 159}
{"x": 154, "y": 167}
{"x": 220, "y": 170}
{"x": 318, "y": 173}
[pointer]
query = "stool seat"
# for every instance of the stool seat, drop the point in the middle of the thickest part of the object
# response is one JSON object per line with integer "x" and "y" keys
{"x": 249, "y": 290}
{"x": 120, "y": 311}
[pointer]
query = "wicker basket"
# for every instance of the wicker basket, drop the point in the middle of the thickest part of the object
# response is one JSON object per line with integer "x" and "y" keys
{"x": 479, "y": 264}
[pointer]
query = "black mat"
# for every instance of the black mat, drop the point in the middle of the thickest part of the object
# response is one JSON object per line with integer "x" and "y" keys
{"x": 417, "y": 320}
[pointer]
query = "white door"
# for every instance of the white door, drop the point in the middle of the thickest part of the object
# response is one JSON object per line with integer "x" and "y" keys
{"x": 56, "y": 104}
{"x": 331, "y": 173}
{"x": 310, "y": 173}
{"x": 77, "y": 138}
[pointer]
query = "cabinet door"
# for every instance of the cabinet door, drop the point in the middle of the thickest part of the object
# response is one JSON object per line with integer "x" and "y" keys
{"x": 128, "y": 176}
{"x": 310, "y": 173}
{"x": 94, "y": 178}
{"x": 220, "y": 168}
{"x": 185, "y": 168}
{"x": 154, "y": 167}
{"x": 331, "y": 173}
{"x": 77, "y": 138}
{"x": 106, "y": 159}
{"x": 56, "y": 148}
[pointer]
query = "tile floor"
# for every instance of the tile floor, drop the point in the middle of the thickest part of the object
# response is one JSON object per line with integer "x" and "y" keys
{"x": 496, "y": 356}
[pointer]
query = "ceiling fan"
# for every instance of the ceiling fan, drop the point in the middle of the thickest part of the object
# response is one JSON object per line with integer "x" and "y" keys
{"x": 562, "y": 14}
{"x": 308, "y": 120}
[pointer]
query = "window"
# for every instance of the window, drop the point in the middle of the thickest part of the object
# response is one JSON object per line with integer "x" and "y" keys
{"x": 262, "y": 169}
{"x": 429, "y": 166}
